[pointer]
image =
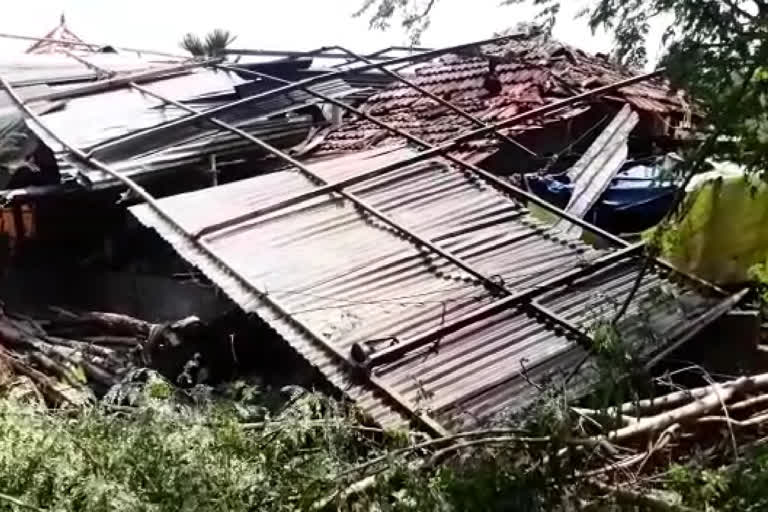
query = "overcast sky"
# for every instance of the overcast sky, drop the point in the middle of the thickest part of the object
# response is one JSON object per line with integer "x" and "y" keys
{"x": 268, "y": 24}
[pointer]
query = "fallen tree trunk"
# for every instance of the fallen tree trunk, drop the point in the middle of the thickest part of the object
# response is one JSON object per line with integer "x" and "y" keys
{"x": 674, "y": 399}
{"x": 89, "y": 348}
{"x": 104, "y": 323}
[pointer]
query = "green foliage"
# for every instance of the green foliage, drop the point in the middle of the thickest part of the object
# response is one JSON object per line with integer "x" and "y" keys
{"x": 615, "y": 366}
{"x": 213, "y": 46}
{"x": 159, "y": 390}
{"x": 158, "y": 460}
{"x": 413, "y": 14}
{"x": 193, "y": 44}
{"x": 167, "y": 456}
{"x": 739, "y": 488}
{"x": 161, "y": 458}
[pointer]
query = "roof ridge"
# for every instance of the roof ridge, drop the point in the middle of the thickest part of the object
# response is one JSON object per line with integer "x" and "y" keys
{"x": 64, "y": 36}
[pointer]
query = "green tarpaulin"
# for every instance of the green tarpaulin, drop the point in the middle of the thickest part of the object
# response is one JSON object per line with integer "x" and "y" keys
{"x": 723, "y": 233}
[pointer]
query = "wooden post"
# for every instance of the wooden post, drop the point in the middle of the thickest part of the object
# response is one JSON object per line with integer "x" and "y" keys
{"x": 214, "y": 171}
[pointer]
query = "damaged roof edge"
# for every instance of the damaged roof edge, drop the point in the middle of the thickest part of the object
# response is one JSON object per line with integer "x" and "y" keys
{"x": 361, "y": 253}
{"x": 392, "y": 398}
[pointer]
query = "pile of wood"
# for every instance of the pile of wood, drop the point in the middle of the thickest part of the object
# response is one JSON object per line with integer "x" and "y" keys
{"x": 718, "y": 422}
{"x": 72, "y": 358}
{"x": 623, "y": 452}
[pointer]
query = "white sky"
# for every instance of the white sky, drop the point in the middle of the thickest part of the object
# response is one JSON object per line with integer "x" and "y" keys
{"x": 271, "y": 24}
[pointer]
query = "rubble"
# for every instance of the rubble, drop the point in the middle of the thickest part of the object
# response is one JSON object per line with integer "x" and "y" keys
{"x": 71, "y": 359}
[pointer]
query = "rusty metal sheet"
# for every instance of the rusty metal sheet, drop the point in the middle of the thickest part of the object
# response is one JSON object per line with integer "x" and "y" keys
{"x": 337, "y": 272}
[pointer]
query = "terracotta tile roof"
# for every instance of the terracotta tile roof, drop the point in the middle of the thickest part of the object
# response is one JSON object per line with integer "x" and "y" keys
{"x": 532, "y": 73}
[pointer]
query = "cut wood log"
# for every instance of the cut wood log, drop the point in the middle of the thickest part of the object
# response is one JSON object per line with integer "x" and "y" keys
{"x": 10, "y": 335}
{"x": 112, "y": 323}
{"x": 54, "y": 368}
{"x": 748, "y": 403}
{"x": 114, "y": 341}
{"x": 88, "y": 348}
{"x": 653, "y": 405}
{"x": 758, "y": 419}
{"x": 76, "y": 350}
{"x": 99, "y": 374}
{"x": 45, "y": 384}
{"x": 719, "y": 394}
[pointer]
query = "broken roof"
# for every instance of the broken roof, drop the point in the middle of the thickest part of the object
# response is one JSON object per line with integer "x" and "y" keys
{"x": 65, "y": 40}
{"x": 135, "y": 132}
{"x": 453, "y": 291}
{"x": 532, "y": 72}
{"x": 450, "y": 353}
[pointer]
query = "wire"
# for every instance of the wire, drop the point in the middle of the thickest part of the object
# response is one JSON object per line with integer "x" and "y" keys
{"x": 567, "y": 149}
{"x": 466, "y": 298}
{"x": 402, "y": 300}
{"x": 391, "y": 299}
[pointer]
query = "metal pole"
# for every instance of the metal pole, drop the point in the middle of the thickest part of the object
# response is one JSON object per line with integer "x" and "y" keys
{"x": 430, "y": 424}
{"x": 90, "y": 45}
{"x": 460, "y": 111}
{"x": 378, "y": 53}
{"x": 394, "y": 352}
{"x": 214, "y": 171}
{"x": 89, "y": 65}
{"x": 322, "y": 52}
{"x": 319, "y": 53}
{"x": 430, "y": 153}
{"x": 416, "y": 49}
{"x": 292, "y": 87}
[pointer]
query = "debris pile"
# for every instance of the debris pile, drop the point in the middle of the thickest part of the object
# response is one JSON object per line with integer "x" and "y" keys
{"x": 71, "y": 359}
{"x": 702, "y": 421}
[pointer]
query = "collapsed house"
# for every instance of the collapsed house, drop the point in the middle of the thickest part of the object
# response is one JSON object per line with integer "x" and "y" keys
{"x": 128, "y": 113}
{"x": 416, "y": 280}
{"x": 531, "y": 72}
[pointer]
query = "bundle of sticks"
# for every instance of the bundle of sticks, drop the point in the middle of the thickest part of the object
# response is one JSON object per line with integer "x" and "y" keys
{"x": 71, "y": 358}
{"x": 623, "y": 451}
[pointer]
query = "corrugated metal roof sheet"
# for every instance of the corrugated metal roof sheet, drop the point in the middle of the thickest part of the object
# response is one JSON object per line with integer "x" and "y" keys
{"x": 26, "y": 70}
{"x": 196, "y": 152}
{"x": 91, "y": 120}
{"x": 326, "y": 276}
{"x": 94, "y": 122}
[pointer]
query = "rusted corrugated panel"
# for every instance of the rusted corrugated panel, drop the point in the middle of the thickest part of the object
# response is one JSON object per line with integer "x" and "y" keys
{"x": 661, "y": 311}
{"x": 327, "y": 267}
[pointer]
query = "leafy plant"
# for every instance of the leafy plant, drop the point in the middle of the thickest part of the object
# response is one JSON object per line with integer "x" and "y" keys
{"x": 213, "y": 46}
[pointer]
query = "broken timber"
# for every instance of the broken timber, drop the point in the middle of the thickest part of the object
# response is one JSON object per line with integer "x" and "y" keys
{"x": 594, "y": 171}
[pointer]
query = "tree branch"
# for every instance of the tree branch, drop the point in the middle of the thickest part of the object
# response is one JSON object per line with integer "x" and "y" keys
{"x": 737, "y": 9}
{"x": 19, "y": 503}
